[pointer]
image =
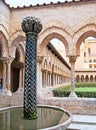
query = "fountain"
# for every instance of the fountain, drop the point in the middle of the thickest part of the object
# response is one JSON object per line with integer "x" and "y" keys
{"x": 31, "y": 116}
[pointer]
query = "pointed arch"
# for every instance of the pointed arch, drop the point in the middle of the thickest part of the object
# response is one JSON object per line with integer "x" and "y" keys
{"x": 3, "y": 45}
{"x": 82, "y": 31}
{"x": 55, "y": 30}
{"x": 18, "y": 38}
{"x": 4, "y": 31}
{"x": 21, "y": 52}
{"x": 83, "y": 37}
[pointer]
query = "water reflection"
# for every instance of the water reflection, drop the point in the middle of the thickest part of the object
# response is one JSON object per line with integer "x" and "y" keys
{"x": 12, "y": 119}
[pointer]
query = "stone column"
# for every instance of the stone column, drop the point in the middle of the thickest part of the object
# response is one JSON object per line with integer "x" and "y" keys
{"x": 72, "y": 60}
{"x": 40, "y": 75}
{"x": 56, "y": 79}
{"x": 53, "y": 79}
{"x": 9, "y": 62}
{"x": 4, "y": 89}
{"x": 50, "y": 79}
{"x": 31, "y": 26}
{"x": 20, "y": 89}
{"x": 44, "y": 76}
{"x": 46, "y": 80}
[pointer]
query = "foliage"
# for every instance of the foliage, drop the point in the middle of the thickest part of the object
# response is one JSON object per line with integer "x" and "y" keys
{"x": 82, "y": 90}
{"x": 85, "y": 84}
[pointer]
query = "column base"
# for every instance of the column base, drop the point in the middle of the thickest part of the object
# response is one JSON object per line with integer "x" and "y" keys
{"x": 9, "y": 93}
{"x": 73, "y": 95}
{"x": 6, "y": 92}
{"x": 20, "y": 90}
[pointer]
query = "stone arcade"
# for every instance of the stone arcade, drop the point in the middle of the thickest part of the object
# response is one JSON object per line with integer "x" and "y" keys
{"x": 67, "y": 24}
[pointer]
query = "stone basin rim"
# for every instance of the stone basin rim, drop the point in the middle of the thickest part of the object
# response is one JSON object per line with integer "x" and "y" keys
{"x": 61, "y": 126}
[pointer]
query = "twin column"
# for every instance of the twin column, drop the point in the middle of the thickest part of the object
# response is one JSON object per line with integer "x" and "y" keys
{"x": 7, "y": 76}
{"x": 72, "y": 61}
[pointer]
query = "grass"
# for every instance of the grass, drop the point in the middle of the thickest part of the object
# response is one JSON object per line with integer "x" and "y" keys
{"x": 85, "y": 89}
{"x": 81, "y": 89}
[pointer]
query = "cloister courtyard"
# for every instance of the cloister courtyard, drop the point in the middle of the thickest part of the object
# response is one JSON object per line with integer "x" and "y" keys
{"x": 65, "y": 55}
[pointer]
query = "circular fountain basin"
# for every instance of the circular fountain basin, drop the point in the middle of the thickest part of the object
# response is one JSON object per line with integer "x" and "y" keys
{"x": 49, "y": 118}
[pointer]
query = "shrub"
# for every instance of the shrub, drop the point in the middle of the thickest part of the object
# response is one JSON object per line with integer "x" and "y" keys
{"x": 65, "y": 91}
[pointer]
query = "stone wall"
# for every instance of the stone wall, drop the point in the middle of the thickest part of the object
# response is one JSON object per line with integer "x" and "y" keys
{"x": 14, "y": 100}
{"x": 75, "y": 106}
{"x": 68, "y": 13}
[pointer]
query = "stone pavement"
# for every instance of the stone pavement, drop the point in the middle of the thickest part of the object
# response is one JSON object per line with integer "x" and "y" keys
{"x": 83, "y": 122}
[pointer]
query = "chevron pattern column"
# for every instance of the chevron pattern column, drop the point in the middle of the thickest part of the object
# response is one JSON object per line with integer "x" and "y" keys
{"x": 31, "y": 26}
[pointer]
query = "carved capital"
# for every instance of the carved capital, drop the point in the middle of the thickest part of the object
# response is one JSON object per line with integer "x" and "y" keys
{"x": 31, "y": 25}
{"x": 4, "y": 59}
{"x": 10, "y": 59}
{"x": 40, "y": 59}
{"x": 72, "y": 59}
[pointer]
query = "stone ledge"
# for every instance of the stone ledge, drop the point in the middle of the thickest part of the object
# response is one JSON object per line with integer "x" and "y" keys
{"x": 75, "y": 106}
{"x": 14, "y": 100}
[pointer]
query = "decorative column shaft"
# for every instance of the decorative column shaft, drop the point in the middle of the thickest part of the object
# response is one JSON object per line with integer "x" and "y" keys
{"x": 72, "y": 62}
{"x": 31, "y": 26}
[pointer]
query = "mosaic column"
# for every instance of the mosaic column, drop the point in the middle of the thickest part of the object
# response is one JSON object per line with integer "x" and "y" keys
{"x": 31, "y": 26}
{"x": 72, "y": 60}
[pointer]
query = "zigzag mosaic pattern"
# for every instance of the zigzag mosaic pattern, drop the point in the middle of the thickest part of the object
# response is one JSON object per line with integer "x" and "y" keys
{"x": 30, "y": 101}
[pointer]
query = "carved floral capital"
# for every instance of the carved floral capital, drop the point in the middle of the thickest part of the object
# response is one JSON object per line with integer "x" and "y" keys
{"x": 72, "y": 59}
{"x": 31, "y": 25}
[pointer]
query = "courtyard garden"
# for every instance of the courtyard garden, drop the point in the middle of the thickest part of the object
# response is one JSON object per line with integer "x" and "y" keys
{"x": 82, "y": 90}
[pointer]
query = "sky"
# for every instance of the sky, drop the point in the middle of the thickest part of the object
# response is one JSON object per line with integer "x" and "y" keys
{"x": 15, "y": 3}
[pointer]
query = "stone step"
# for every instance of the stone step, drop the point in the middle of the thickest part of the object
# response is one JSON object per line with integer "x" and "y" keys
{"x": 84, "y": 119}
{"x": 83, "y": 122}
{"x": 78, "y": 126}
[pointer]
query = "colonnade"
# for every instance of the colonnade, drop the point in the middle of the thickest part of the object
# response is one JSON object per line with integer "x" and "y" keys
{"x": 50, "y": 79}
{"x": 7, "y": 77}
{"x": 85, "y": 78}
